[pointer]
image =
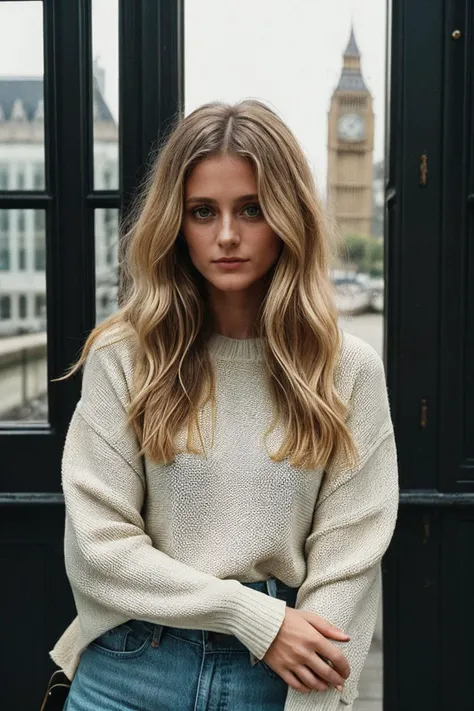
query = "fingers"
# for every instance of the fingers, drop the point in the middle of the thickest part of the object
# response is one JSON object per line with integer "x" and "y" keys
{"x": 296, "y": 683}
{"x": 310, "y": 680}
{"x": 326, "y": 628}
{"x": 319, "y": 665}
{"x": 332, "y": 657}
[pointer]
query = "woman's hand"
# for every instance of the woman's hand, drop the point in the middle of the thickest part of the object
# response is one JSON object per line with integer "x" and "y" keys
{"x": 300, "y": 652}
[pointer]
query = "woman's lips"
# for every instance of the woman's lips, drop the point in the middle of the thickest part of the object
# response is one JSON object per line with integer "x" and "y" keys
{"x": 231, "y": 265}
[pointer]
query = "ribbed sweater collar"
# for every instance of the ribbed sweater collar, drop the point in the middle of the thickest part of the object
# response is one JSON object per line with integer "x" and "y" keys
{"x": 236, "y": 349}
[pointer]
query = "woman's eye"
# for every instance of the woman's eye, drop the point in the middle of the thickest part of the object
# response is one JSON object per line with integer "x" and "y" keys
{"x": 202, "y": 213}
{"x": 252, "y": 210}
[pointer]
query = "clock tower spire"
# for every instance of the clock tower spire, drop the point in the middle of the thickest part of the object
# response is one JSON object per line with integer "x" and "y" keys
{"x": 350, "y": 147}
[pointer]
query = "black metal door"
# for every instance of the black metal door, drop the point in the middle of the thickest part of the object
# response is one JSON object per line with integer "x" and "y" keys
{"x": 35, "y": 598}
{"x": 429, "y": 569}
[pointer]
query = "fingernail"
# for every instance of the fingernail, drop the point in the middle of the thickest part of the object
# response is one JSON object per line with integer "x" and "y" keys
{"x": 340, "y": 688}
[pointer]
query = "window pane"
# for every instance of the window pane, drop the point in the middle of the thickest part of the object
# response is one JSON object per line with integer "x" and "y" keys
{"x": 4, "y": 241}
{"x": 23, "y": 373}
{"x": 21, "y": 96}
{"x": 106, "y": 261}
{"x": 3, "y": 176}
{"x": 22, "y": 306}
{"x": 40, "y": 241}
{"x": 38, "y": 176}
{"x": 21, "y": 221}
{"x": 105, "y": 93}
{"x": 326, "y": 80}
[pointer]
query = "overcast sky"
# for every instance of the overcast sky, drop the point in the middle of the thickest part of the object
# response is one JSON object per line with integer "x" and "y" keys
{"x": 285, "y": 52}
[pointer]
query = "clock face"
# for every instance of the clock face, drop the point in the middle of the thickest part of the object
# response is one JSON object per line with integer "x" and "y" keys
{"x": 351, "y": 127}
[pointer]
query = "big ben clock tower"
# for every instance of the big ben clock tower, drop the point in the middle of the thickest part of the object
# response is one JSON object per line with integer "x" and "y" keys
{"x": 350, "y": 148}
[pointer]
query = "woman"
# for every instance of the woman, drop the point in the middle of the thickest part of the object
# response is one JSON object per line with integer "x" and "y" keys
{"x": 230, "y": 471}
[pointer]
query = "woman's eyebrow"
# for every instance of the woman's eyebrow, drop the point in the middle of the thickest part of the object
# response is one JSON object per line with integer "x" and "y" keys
{"x": 242, "y": 198}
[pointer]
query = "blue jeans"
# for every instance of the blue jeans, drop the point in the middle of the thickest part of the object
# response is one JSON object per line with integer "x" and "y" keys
{"x": 139, "y": 666}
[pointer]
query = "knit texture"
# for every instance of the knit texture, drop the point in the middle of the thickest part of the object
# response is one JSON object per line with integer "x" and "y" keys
{"x": 172, "y": 544}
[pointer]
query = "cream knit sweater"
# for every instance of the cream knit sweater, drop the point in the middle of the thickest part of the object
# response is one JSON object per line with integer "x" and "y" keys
{"x": 172, "y": 544}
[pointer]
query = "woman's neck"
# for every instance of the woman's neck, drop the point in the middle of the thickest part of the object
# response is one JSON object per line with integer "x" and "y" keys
{"x": 235, "y": 314}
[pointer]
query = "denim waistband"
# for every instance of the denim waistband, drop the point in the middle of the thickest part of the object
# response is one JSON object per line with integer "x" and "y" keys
{"x": 219, "y": 642}
{"x": 274, "y": 588}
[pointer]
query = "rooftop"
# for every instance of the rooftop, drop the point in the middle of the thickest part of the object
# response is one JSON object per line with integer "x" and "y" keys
{"x": 351, "y": 78}
{"x": 352, "y": 50}
{"x": 21, "y": 98}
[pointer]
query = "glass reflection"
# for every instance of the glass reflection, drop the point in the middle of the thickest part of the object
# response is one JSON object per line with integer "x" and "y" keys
{"x": 21, "y": 96}
{"x": 105, "y": 93}
{"x": 106, "y": 261}
{"x": 23, "y": 370}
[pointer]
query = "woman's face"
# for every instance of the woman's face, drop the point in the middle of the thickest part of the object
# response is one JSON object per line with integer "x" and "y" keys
{"x": 223, "y": 218}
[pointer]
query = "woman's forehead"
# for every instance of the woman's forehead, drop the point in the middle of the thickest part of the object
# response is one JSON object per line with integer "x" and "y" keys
{"x": 227, "y": 175}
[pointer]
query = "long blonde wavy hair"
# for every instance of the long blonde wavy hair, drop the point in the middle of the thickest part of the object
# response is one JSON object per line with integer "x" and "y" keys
{"x": 164, "y": 302}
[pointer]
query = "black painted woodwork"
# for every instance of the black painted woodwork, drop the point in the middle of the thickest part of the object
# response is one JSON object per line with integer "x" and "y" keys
{"x": 429, "y": 328}
{"x": 35, "y": 596}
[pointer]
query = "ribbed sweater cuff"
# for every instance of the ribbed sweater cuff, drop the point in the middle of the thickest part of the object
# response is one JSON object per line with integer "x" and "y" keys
{"x": 329, "y": 700}
{"x": 255, "y": 618}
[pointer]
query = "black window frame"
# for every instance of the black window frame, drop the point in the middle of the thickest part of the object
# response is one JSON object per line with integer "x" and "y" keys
{"x": 151, "y": 96}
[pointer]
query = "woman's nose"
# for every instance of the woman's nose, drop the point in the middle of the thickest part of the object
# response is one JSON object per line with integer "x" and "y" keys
{"x": 228, "y": 232}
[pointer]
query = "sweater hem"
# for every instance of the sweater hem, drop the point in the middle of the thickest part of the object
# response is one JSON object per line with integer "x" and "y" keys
{"x": 318, "y": 701}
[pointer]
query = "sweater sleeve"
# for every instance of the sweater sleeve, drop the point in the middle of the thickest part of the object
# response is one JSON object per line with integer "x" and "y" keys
{"x": 109, "y": 556}
{"x": 353, "y": 523}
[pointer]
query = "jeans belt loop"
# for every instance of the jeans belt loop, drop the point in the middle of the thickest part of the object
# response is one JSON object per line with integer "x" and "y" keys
{"x": 272, "y": 587}
{"x": 156, "y": 639}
